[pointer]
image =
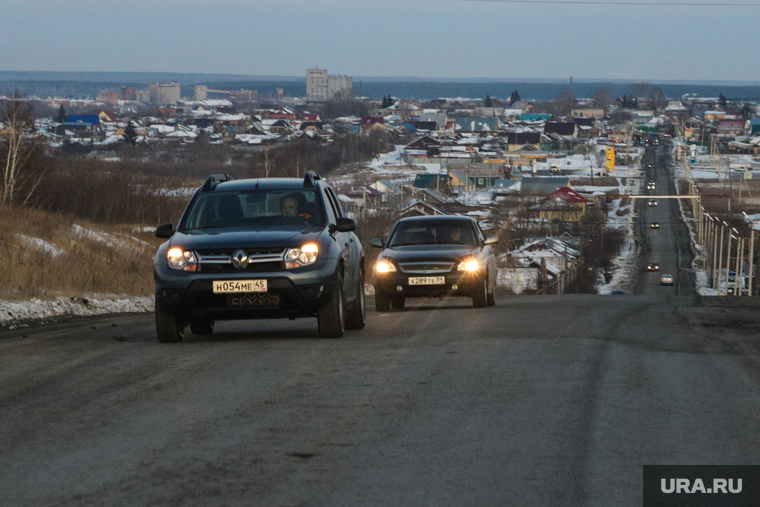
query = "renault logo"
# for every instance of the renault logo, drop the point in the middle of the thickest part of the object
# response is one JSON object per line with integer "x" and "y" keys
{"x": 240, "y": 259}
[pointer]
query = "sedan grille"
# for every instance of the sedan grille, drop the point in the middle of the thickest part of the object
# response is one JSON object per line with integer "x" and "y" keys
{"x": 426, "y": 268}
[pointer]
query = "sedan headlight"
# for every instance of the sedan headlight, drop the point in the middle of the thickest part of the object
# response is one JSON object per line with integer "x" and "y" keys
{"x": 180, "y": 259}
{"x": 468, "y": 265}
{"x": 385, "y": 267}
{"x": 304, "y": 256}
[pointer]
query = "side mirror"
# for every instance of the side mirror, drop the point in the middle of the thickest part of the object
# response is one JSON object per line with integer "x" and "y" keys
{"x": 491, "y": 240}
{"x": 345, "y": 225}
{"x": 164, "y": 231}
{"x": 377, "y": 242}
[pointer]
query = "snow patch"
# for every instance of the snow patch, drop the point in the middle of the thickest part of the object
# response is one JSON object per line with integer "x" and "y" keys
{"x": 43, "y": 245}
{"x": 21, "y": 314}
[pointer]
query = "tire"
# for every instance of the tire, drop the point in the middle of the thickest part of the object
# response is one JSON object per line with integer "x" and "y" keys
{"x": 480, "y": 299}
{"x": 491, "y": 296}
{"x": 169, "y": 327}
{"x": 201, "y": 327}
{"x": 331, "y": 317}
{"x": 398, "y": 303}
{"x": 382, "y": 303}
{"x": 356, "y": 312}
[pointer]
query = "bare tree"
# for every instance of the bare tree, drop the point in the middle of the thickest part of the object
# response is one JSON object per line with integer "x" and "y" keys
{"x": 17, "y": 115}
{"x": 657, "y": 99}
{"x": 564, "y": 103}
{"x": 640, "y": 90}
{"x": 602, "y": 98}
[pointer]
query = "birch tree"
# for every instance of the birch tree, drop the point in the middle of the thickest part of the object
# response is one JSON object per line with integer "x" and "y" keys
{"x": 18, "y": 120}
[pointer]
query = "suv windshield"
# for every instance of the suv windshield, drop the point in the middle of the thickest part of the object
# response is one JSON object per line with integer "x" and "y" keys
{"x": 254, "y": 207}
{"x": 429, "y": 232}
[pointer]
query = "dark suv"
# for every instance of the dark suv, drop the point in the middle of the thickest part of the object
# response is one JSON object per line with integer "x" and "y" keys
{"x": 260, "y": 248}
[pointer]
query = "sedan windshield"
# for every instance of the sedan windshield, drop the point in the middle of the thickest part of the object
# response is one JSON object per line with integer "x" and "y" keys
{"x": 254, "y": 207}
{"x": 433, "y": 232}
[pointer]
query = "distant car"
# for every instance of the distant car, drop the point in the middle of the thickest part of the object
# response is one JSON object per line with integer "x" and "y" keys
{"x": 435, "y": 256}
{"x": 617, "y": 292}
{"x": 651, "y": 185}
{"x": 650, "y": 166}
{"x": 654, "y": 225}
{"x": 653, "y": 202}
{"x": 653, "y": 266}
{"x": 666, "y": 280}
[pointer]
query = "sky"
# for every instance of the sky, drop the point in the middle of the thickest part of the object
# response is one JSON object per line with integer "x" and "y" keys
{"x": 385, "y": 38}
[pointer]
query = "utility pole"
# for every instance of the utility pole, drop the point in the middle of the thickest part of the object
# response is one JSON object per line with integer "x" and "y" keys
{"x": 720, "y": 260}
{"x": 751, "y": 258}
{"x": 740, "y": 269}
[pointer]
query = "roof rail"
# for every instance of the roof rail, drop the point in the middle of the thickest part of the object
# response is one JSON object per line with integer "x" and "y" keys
{"x": 214, "y": 180}
{"x": 309, "y": 178}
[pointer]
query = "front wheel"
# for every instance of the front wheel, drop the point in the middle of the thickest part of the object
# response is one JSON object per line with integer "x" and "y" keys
{"x": 491, "y": 296}
{"x": 356, "y": 314}
{"x": 331, "y": 317}
{"x": 480, "y": 299}
{"x": 169, "y": 327}
{"x": 398, "y": 303}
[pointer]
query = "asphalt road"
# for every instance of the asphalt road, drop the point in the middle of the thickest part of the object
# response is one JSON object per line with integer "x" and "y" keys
{"x": 542, "y": 400}
{"x": 660, "y": 244}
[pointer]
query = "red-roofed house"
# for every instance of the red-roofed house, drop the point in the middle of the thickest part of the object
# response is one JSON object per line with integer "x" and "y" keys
{"x": 563, "y": 205}
{"x": 732, "y": 127}
{"x": 284, "y": 113}
{"x": 570, "y": 196}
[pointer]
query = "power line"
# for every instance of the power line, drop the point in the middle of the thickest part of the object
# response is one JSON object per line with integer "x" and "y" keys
{"x": 612, "y": 3}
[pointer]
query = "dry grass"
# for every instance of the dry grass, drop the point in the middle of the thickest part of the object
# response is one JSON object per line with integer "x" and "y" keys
{"x": 88, "y": 266}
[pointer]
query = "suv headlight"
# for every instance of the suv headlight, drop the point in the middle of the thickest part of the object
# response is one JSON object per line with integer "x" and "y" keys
{"x": 468, "y": 265}
{"x": 180, "y": 259}
{"x": 304, "y": 256}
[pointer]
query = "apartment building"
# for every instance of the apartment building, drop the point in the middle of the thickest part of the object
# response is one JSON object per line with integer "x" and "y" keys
{"x": 321, "y": 87}
{"x": 165, "y": 93}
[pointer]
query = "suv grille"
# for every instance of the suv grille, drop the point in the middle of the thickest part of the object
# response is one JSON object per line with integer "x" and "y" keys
{"x": 259, "y": 259}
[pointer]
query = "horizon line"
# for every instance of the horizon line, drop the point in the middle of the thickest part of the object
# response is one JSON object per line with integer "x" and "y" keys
{"x": 470, "y": 79}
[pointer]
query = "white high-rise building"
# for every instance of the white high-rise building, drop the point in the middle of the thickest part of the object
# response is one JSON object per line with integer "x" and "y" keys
{"x": 164, "y": 93}
{"x": 320, "y": 87}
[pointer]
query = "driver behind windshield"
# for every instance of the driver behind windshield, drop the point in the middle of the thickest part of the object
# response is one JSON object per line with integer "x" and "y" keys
{"x": 441, "y": 233}
{"x": 291, "y": 206}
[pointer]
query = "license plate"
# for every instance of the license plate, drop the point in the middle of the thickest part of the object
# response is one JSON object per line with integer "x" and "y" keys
{"x": 427, "y": 280}
{"x": 238, "y": 286}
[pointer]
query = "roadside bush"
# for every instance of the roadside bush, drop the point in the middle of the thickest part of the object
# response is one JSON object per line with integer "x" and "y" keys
{"x": 585, "y": 280}
{"x": 369, "y": 226}
{"x": 90, "y": 190}
{"x": 293, "y": 159}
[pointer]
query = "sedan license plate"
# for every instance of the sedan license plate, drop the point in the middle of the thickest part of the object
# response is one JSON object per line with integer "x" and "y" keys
{"x": 427, "y": 280}
{"x": 239, "y": 286}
